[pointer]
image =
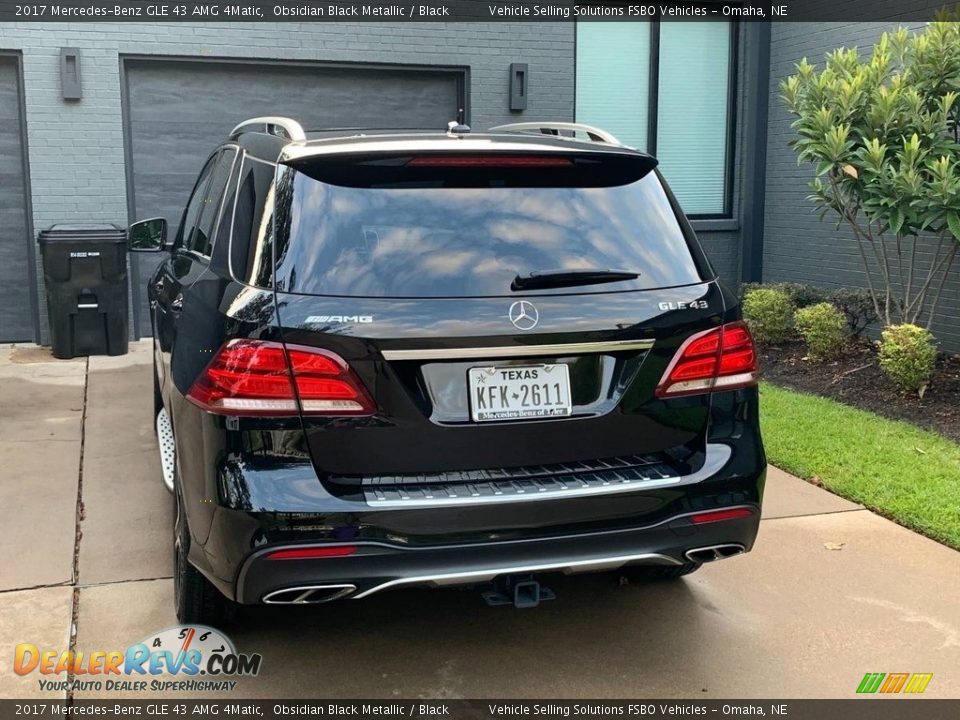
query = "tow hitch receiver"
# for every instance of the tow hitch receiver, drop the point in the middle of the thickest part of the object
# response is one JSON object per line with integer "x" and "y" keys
{"x": 521, "y": 591}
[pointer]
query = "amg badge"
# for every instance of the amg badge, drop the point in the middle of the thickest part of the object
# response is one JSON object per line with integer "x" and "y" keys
{"x": 327, "y": 319}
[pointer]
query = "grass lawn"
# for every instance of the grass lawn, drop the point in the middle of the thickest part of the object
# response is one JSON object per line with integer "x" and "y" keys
{"x": 907, "y": 474}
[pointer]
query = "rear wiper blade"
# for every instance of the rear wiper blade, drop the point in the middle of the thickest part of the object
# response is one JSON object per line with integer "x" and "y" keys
{"x": 541, "y": 279}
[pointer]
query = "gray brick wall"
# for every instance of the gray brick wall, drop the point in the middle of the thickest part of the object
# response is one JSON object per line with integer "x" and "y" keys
{"x": 723, "y": 249}
{"x": 76, "y": 148}
{"x": 797, "y": 247}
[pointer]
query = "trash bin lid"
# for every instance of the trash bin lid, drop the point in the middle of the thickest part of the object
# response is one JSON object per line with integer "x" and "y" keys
{"x": 82, "y": 232}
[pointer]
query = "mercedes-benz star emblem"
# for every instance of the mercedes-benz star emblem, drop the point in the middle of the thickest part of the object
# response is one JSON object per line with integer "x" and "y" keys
{"x": 524, "y": 315}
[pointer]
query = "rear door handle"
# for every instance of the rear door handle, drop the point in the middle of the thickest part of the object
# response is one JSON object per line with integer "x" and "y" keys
{"x": 176, "y": 305}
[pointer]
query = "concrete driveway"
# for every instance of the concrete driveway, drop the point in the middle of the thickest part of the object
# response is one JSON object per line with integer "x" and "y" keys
{"x": 86, "y": 550}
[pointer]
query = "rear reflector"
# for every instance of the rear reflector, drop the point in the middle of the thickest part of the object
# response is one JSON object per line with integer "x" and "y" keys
{"x": 258, "y": 377}
{"x": 312, "y": 552}
{"x": 723, "y": 358}
{"x": 720, "y": 515}
{"x": 490, "y": 161}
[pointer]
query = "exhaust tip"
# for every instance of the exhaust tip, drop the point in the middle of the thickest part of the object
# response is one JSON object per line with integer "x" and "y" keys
{"x": 308, "y": 594}
{"x": 714, "y": 552}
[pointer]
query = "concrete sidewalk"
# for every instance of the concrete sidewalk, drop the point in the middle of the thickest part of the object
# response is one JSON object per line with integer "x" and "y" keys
{"x": 831, "y": 591}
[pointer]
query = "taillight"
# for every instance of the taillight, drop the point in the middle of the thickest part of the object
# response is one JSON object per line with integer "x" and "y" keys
{"x": 720, "y": 359}
{"x": 326, "y": 385}
{"x": 257, "y": 377}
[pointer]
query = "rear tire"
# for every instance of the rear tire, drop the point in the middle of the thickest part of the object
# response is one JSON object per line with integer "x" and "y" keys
{"x": 196, "y": 600}
{"x": 658, "y": 572}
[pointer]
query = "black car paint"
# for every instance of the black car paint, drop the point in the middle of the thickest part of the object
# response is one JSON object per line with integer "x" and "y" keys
{"x": 250, "y": 484}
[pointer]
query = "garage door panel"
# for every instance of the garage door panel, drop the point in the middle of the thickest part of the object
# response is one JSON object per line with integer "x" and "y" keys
{"x": 318, "y": 96}
{"x": 163, "y": 195}
{"x": 11, "y": 204}
{"x": 179, "y": 111}
{"x": 179, "y": 138}
{"x": 9, "y": 94}
{"x": 14, "y": 222}
{"x": 16, "y": 317}
{"x": 9, "y": 141}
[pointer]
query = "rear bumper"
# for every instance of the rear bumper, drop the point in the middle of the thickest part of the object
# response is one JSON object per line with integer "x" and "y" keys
{"x": 381, "y": 566}
{"x": 266, "y": 503}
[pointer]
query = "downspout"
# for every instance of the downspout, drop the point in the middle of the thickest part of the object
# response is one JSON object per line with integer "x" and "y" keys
{"x": 757, "y": 99}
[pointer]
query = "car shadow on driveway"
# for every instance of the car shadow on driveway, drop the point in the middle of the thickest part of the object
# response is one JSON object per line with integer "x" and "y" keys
{"x": 599, "y": 638}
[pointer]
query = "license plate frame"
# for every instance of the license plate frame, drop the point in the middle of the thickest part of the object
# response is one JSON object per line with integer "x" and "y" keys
{"x": 489, "y": 386}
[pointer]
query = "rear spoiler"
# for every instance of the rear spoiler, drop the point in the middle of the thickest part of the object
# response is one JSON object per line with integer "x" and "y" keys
{"x": 459, "y": 166}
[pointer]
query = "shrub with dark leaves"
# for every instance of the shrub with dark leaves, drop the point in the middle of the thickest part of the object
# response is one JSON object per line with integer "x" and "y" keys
{"x": 800, "y": 295}
{"x": 803, "y": 295}
{"x": 855, "y": 304}
{"x": 857, "y": 307}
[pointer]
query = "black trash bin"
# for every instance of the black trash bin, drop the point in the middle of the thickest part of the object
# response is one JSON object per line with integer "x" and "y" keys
{"x": 85, "y": 268}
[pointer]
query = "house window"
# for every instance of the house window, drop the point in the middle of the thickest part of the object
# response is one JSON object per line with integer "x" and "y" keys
{"x": 664, "y": 88}
{"x": 613, "y": 78}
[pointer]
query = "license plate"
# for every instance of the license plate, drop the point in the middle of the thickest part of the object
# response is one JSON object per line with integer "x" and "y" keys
{"x": 519, "y": 391}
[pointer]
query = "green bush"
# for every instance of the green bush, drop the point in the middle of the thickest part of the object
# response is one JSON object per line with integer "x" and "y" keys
{"x": 857, "y": 307}
{"x": 748, "y": 287}
{"x": 907, "y": 355}
{"x": 800, "y": 295}
{"x": 822, "y": 327}
{"x": 768, "y": 312}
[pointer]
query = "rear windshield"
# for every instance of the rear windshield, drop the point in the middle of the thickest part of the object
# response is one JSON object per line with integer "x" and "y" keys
{"x": 470, "y": 235}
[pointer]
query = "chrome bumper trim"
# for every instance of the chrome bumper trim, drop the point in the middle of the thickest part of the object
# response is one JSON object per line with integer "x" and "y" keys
{"x": 559, "y": 487}
{"x": 557, "y": 350}
{"x": 487, "y": 574}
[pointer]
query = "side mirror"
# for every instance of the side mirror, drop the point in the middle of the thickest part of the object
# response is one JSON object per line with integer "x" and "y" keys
{"x": 148, "y": 235}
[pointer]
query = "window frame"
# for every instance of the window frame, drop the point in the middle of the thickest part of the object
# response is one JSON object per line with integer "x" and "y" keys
{"x": 249, "y": 246}
{"x": 202, "y": 184}
{"x": 221, "y": 158}
{"x": 292, "y": 249}
{"x": 223, "y": 229}
{"x": 653, "y": 112}
{"x": 199, "y": 186}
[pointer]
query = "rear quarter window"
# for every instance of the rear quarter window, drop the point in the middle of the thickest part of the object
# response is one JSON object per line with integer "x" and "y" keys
{"x": 250, "y": 256}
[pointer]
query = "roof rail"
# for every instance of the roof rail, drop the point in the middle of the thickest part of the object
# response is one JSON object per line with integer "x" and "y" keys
{"x": 272, "y": 126}
{"x": 554, "y": 128}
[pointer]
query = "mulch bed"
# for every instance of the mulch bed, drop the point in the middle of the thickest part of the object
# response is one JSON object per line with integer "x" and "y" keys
{"x": 856, "y": 379}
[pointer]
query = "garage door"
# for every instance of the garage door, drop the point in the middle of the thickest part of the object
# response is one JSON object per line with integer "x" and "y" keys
{"x": 178, "y": 111}
{"x": 16, "y": 313}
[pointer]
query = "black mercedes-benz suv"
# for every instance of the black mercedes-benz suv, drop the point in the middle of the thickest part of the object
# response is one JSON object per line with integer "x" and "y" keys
{"x": 387, "y": 359}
